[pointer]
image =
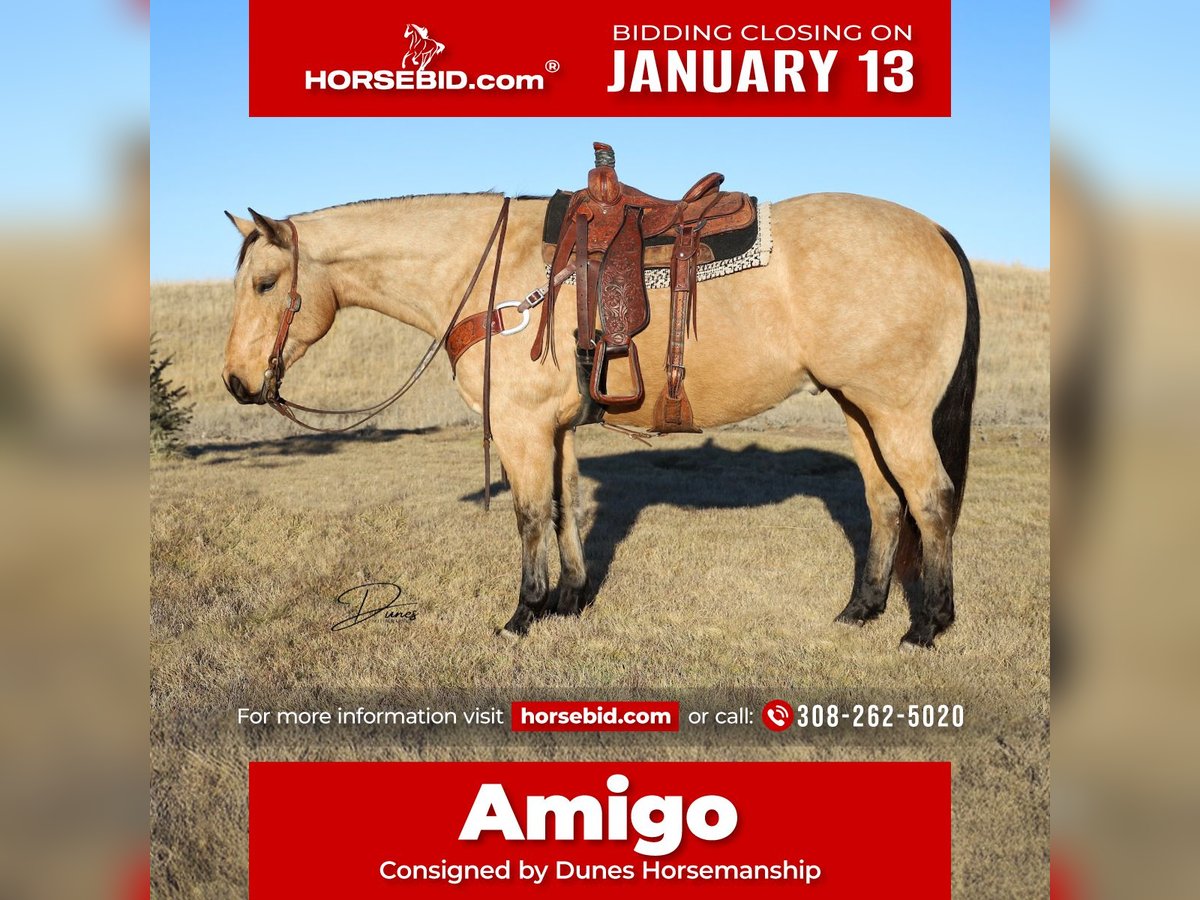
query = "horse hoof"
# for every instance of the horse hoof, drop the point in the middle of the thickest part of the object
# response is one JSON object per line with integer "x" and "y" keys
{"x": 911, "y": 643}
{"x": 570, "y": 606}
{"x": 507, "y": 635}
{"x": 570, "y": 601}
{"x": 859, "y": 612}
{"x": 518, "y": 625}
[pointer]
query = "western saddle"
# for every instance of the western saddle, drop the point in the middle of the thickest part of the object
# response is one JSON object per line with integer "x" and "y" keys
{"x": 604, "y": 228}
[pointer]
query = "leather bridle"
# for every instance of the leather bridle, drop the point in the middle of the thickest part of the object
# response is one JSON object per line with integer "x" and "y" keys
{"x": 273, "y": 377}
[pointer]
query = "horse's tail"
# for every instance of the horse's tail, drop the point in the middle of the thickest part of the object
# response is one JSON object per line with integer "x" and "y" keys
{"x": 951, "y": 421}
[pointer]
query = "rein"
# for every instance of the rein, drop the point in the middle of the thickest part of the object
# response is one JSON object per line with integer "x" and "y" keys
{"x": 273, "y": 378}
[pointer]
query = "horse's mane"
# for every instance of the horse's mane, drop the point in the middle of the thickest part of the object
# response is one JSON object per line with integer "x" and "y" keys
{"x": 253, "y": 236}
{"x": 400, "y": 198}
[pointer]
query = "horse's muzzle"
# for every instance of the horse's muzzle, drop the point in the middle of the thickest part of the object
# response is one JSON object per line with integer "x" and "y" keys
{"x": 240, "y": 392}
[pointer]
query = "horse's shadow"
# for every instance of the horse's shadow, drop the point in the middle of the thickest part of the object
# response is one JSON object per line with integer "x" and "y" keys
{"x": 216, "y": 453}
{"x": 714, "y": 477}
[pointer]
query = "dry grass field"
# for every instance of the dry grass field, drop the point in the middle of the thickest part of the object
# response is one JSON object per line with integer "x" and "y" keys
{"x": 258, "y": 528}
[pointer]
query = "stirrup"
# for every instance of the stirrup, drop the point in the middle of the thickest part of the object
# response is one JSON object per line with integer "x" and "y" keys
{"x": 635, "y": 375}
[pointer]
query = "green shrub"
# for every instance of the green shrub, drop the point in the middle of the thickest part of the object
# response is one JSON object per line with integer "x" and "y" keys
{"x": 169, "y": 416}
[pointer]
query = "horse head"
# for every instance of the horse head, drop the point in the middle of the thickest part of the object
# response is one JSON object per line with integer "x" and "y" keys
{"x": 264, "y": 275}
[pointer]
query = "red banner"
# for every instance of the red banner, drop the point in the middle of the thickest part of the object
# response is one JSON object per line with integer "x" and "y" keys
{"x": 379, "y": 58}
{"x": 658, "y": 830}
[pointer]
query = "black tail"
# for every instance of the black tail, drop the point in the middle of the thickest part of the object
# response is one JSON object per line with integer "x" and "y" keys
{"x": 951, "y": 420}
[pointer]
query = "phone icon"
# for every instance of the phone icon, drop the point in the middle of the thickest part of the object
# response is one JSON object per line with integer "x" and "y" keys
{"x": 777, "y": 715}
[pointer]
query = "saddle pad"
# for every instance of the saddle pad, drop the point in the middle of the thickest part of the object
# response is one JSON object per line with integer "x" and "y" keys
{"x": 731, "y": 252}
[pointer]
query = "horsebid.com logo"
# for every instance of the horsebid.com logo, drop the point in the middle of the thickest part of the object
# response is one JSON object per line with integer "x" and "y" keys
{"x": 413, "y": 74}
{"x": 421, "y": 47}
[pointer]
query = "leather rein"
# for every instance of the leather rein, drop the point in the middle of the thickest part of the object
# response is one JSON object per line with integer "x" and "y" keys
{"x": 273, "y": 377}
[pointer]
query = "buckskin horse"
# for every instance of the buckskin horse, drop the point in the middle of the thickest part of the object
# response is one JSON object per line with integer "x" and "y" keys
{"x": 862, "y": 298}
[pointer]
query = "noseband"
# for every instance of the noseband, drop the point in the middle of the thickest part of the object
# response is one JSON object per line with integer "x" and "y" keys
{"x": 273, "y": 377}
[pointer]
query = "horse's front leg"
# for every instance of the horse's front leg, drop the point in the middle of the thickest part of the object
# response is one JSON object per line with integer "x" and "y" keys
{"x": 528, "y": 458}
{"x": 572, "y": 594}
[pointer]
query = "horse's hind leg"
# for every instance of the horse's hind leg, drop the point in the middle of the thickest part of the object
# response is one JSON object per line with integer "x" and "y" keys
{"x": 529, "y": 460}
{"x": 883, "y": 502}
{"x": 572, "y": 580}
{"x": 911, "y": 455}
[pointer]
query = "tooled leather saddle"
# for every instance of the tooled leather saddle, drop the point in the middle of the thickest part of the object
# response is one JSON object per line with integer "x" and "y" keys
{"x": 605, "y": 227}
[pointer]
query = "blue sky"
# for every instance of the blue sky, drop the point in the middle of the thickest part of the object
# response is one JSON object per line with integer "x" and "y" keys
{"x": 76, "y": 98}
{"x": 983, "y": 173}
{"x": 1123, "y": 77}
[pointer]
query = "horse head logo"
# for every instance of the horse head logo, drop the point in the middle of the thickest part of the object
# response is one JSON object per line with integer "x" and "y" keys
{"x": 421, "y": 47}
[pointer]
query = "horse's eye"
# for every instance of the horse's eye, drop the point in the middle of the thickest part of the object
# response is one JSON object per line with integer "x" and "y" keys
{"x": 264, "y": 286}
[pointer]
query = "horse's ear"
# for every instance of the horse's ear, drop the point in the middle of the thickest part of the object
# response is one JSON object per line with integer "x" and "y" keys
{"x": 274, "y": 231}
{"x": 244, "y": 226}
